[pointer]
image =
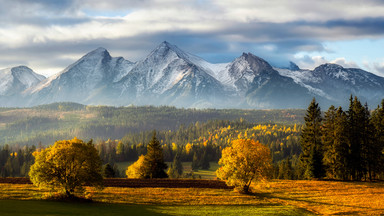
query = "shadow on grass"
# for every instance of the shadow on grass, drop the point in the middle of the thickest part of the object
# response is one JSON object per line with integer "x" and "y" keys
{"x": 53, "y": 208}
{"x": 272, "y": 196}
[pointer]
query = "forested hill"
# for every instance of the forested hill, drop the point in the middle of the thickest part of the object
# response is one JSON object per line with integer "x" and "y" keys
{"x": 47, "y": 123}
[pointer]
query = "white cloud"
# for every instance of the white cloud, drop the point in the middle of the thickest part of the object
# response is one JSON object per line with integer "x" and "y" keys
{"x": 346, "y": 64}
{"x": 379, "y": 67}
{"x": 30, "y": 28}
{"x": 311, "y": 62}
{"x": 376, "y": 67}
{"x": 299, "y": 10}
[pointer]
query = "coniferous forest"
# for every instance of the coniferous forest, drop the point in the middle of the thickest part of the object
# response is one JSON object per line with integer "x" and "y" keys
{"x": 343, "y": 145}
{"x": 336, "y": 144}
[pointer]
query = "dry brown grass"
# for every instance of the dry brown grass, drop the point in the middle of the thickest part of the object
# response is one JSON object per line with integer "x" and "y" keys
{"x": 319, "y": 197}
{"x": 176, "y": 196}
{"x": 327, "y": 197}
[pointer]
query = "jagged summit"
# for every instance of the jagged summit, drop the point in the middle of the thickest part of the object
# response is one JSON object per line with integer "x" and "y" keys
{"x": 293, "y": 66}
{"x": 329, "y": 66}
{"x": 256, "y": 63}
{"x": 171, "y": 76}
{"x": 97, "y": 53}
{"x": 167, "y": 49}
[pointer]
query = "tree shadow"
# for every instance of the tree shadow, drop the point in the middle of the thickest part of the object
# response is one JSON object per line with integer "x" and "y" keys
{"x": 273, "y": 196}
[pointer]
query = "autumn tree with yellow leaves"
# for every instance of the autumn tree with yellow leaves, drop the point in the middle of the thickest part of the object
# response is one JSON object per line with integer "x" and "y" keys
{"x": 244, "y": 161}
{"x": 67, "y": 167}
{"x": 137, "y": 169}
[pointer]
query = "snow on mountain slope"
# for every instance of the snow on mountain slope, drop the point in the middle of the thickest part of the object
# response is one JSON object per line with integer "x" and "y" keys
{"x": 337, "y": 83}
{"x": 170, "y": 76}
{"x": 303, "y": 77}
{"x": 241, "y": 73}
{"x": 81, "y": 81}
{"x": 162, "y": 69}
{"x": 17, "y": 79}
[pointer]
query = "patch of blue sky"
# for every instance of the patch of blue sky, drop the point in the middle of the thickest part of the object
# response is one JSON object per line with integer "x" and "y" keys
{"x": 352, "y": 50}
{"x": 107, "y": 13}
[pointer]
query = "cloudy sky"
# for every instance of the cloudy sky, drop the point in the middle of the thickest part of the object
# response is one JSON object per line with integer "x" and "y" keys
{"x": 48, "y": 35}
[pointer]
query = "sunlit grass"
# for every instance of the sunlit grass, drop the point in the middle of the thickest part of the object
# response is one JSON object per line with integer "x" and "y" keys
{"x": 327, "y": 197}
{"x": 292, "y": 197}
{"x": 203, "y": 174}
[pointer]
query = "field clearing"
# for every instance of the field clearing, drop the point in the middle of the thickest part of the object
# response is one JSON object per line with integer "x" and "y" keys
{"x": 204, "y": 174}
{"x": 38, "y": 207}
{"x": 327, "y": 197}
{"x": 273, "y": 198}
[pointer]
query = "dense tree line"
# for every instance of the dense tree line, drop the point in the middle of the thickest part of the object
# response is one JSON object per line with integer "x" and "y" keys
{"x": 16, "y": 161}
{"x": 47, "y": 123}
{"x": 345, "y": 145}
{"x": 199, "y": 139}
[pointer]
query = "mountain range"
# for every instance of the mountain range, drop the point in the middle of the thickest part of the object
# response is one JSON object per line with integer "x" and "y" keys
{"x": 170, "y": 76}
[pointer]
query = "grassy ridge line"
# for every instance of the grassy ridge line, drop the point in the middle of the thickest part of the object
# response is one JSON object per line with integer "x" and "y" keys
{"x": 144, "y": 183}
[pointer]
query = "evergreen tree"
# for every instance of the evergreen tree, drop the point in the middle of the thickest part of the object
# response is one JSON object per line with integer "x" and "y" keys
{"x": 176, "y": 169}
{"x": 288, "y": 170}
{"x": 195, "y": 162}
{"x": 335, "y": 141}
{"x": 341, "y": 145}
{"x": 377, "y": 151}
{"x": 204, "y": 162}
{"x": 356, "y": 127}
{"x": 285, "y": 169}
{"x": 328, "y": 139}
{"x": 312, "y": 152}
{"x": 368, "y": 145}
{"x": 154, "y": 160}
{"x": 108, "y": 171}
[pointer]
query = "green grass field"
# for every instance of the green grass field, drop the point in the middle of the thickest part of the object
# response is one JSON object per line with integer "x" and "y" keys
{"x": 279, "y": 197}
{"x": 36, "y": 207}
{"x": 204, "y": 174}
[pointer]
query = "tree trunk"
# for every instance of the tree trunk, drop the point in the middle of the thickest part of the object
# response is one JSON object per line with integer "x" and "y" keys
{"x": 246, "y": 189}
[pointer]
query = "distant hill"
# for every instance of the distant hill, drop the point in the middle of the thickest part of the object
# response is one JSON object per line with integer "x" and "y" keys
{"x": 48, "y": 123}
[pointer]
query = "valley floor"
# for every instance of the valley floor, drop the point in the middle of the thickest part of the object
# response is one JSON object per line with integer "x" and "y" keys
{"x": 280, "y": 197}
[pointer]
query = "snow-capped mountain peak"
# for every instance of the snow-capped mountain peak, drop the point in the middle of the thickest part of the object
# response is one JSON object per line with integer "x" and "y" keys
{"x": 171, "y": 76}
{"x": 17, "y": 79}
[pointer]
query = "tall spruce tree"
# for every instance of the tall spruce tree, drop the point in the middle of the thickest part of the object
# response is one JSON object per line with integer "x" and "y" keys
{"x": 368, "y": 145}
{"x": 356, "y": 131}
{"x": 335, "y": 143}
{"x": 154, "y": 160}
{"x": 341, "y": 145}
{"x": 328, "y": 139}
{"x": 195, "y": 162}
{"x": 288, "y": 170}
{"x": 378, "y": 145}
{"x": 204, "y": 161}
{"x": 312, "y": 152}
{"x": 176, "y": 169}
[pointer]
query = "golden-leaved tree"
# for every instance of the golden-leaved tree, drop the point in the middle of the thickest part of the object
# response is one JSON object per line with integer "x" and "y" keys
{"x": 244, "y": 161}
{"x": 67, "y": 167}
{"x": 137, "y": 169}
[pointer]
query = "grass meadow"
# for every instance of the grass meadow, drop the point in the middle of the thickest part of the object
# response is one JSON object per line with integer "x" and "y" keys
{"x": 203, "y": 174}
{"x": 280, "y": 197}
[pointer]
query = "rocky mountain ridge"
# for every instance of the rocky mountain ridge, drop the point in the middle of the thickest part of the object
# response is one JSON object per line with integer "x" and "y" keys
{"x": 170, "y": 76}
